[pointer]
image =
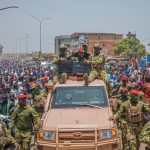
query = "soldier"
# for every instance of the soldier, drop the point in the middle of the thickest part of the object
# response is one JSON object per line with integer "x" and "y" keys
{"x": 123, "y": 96}
{"x": 25, "y": 119}
{"x": 95, "y": 60}
{"x": 57, "y": 60}
{"x": 6, "y": 140}
{"x": 146, "y": 87}
{"x": 82, "y": 54}
{"x": 38, "y": 99}
{"x": 132, "y": 113}
{"x": 145, "y": 135}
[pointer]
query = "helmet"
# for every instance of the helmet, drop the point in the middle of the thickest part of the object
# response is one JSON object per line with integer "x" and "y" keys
{"x": 62, "y": 50}
{"x": 62, "y": 46}
{"x": 97, "y": 49}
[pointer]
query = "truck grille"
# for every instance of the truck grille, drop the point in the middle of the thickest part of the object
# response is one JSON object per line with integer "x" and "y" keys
{"x": 76, "y": 136}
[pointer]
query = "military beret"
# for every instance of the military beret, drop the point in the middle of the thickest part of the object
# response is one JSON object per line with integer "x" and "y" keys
{"x": 124, "y": 90}
{"x": 80, "y": 50}
{"x": 135, "y": 92}
{"x": 124, "y": 78}
{"x": 22, "y": 96}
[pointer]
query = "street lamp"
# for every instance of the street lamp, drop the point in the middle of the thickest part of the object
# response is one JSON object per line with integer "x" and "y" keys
{"x": 9, "y": 7}
{"x": 40, "y": 21}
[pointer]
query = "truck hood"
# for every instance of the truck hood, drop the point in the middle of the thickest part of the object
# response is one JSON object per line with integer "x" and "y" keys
{"x": 77, "y": 118}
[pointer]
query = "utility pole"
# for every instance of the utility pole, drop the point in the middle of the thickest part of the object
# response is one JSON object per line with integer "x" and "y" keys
{"x": 40, "y": 21}
{"x": 27, "y": 44}
{"x": 135, "y": 47}
{"x": 20, "y": 48}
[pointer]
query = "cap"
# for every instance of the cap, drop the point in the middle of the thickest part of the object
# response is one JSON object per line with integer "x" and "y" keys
{"x": 124, "y": 78}
{"x": 80, "y": 50}
{"x": 124, "y": 90}
{"x": 22, "y": 96}
{"x": 133, "y": 91}
{"x": 44, "y": 78}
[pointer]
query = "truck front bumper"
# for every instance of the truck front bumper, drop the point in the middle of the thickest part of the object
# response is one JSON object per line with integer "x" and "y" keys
{"x": 111, "y": 144}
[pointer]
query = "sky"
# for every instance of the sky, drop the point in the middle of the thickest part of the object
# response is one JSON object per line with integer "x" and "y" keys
{"x": 69, "y": 16}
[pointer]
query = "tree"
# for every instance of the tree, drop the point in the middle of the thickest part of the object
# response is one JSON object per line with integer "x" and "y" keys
{"x": 127, "y": 46}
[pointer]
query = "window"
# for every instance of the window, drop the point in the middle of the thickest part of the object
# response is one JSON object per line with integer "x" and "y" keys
{"x": 67, "y": 97}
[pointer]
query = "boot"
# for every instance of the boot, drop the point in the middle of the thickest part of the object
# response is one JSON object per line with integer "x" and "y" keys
{"x": 86, "y": 79}
{"x": 63, "y": 78}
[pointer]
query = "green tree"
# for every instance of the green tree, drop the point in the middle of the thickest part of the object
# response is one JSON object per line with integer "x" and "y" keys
{"x": 127, "y": 46}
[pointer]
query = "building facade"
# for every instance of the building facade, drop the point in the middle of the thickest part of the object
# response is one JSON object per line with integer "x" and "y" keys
{"x": 1, "y": 50}
{"x": 76, "y": 40}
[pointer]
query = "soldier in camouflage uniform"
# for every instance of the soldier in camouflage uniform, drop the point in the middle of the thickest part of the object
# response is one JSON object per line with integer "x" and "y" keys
{"x": 95, "y": 60}
{"x": 5, "y": 137}
{"x": 116, "y": 104}
{"x": 120, "y": 99}
{"x": 132, "y": 113}
{"x": 61, "y": 57}
{"x": 145, "y": 135}
{"x": 24, "y": 119}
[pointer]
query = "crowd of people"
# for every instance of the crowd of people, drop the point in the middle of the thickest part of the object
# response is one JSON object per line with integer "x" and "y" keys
{"x": 23, "y": 93}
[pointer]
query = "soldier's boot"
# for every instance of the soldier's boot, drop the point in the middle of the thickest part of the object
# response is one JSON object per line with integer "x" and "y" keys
{"x": 63, "y": 78}
{"x": 86, "y": 79}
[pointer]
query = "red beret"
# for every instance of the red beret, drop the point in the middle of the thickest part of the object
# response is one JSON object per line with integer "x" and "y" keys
{"x": 124, "y": 90}
{"x": 44, "y": 78}
{"x": 80, "y": 50}
{"x": 133, "y": 91}
{"x": 124, "y": 78}
{"x": 22, "y": 96}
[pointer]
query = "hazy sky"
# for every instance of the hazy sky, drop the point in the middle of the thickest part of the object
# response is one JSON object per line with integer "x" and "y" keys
{"x": 67, "y": 17}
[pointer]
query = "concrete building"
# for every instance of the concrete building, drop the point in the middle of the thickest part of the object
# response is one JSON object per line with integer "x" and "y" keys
{"x": 1, "y": 50}
{"x": 75, "y": 41}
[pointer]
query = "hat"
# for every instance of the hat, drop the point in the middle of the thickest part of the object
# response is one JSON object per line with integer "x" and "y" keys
{"x": 124, "y": 90}
{"x": 22, "y": 96}
{"x": 80, "y": 50}
{"x": 133, "y": 91}
{"x": 124, "y": 78}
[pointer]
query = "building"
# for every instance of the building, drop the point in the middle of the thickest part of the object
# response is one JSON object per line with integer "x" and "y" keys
{"x": 1, "y": 50}
{"x": 105, "y": 40}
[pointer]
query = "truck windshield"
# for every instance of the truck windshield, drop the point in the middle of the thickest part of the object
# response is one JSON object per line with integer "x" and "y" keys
{"x": 70, "y": 97}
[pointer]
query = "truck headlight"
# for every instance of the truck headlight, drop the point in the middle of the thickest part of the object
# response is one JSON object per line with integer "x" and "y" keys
{"x": 47, "y": 135}
{"x": 106, "y": 134}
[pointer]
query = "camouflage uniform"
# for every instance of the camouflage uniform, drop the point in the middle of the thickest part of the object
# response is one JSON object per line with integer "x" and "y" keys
{"x": 39, "y": 101}
{"x": 145, "y": 135}
{"x": 132, "y": 113}
{"x": 96, "y": 62}
{"x": 25, "y": 119}
{"x": 115, "y": 107}
{"x": 62, "y": 57}
{"x": 5, "y": 136}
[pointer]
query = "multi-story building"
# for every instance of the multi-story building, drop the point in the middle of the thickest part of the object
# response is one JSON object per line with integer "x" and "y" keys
{"x": 1, "y": 50}
{"x": 105, "y": 40}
